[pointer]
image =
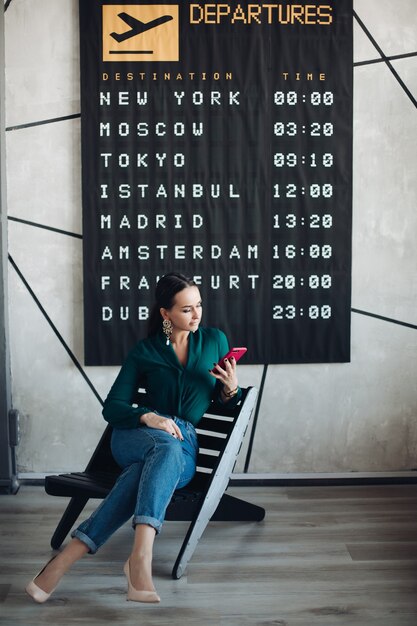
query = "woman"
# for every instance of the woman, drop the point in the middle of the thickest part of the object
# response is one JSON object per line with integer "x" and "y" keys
{"x": 155, "y": 445}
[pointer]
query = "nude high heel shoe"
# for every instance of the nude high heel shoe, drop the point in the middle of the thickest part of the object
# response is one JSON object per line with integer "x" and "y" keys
{"x": 134, "y": 594}
{"x": 35, "y": 592}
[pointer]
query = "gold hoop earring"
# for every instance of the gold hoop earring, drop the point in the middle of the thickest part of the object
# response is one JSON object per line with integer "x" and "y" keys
{"x": 167, "y": 327}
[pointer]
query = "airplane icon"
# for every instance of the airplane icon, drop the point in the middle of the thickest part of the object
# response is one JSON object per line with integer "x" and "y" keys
{"x": 137, "y": 27}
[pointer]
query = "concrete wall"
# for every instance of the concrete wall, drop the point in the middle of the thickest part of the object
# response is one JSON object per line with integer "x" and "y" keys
{"x": 314, "y": 418}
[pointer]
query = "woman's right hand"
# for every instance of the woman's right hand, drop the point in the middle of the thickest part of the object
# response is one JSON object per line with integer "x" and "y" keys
{"x": 153, "y": 420}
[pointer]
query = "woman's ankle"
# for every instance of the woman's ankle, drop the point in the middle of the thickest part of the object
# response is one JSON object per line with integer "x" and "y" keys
{"x": 49, "y": 576}
{"x": 54, "y": 570}
{"x": 141, "y": 571}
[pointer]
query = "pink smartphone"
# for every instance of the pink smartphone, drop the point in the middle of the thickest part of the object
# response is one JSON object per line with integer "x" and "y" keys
{"x": 237, "y": 353}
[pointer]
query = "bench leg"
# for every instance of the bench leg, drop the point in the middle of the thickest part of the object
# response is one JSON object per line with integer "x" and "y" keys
{"x": 68, "y": 519}
{"x": 233, "y": 509}
{"x": 230, "y": 509}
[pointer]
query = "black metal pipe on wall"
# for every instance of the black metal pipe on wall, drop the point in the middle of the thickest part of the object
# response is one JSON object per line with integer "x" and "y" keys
{"x": 8, "y": 477}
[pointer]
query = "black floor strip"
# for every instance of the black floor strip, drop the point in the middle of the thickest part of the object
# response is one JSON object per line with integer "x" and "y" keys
{"x": 36, "y": 225}
{"x": 42, "y": 122}
{"x": 331, "y": 481}
{"x": 384, "y": 319}
{"x": 396, "y": 57}
{"x": 386, "y": 59}
{"x": 255, "y": 419}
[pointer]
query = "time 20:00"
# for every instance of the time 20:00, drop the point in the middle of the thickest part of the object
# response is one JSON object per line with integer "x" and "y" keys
{"x": 290, "y": 312}
{"x": 289, "y": 281}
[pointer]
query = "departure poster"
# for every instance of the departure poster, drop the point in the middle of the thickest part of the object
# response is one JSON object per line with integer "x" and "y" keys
{"x": 217, "y": 141}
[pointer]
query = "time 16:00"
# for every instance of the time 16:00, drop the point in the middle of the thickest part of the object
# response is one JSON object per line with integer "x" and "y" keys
{"x": 314, "y": 251}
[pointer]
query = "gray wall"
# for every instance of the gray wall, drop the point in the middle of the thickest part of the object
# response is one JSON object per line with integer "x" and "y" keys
{"x": 314, "y": 418}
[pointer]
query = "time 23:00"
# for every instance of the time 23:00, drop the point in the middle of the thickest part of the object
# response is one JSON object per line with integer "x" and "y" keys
{"x": 290, "y": 312}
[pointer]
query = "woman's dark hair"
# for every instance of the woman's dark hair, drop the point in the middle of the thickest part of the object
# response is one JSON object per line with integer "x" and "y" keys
{"x": 166, "y": 289}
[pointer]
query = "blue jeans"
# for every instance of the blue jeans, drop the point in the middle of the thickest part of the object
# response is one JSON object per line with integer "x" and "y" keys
{"x": 154, "y": 464}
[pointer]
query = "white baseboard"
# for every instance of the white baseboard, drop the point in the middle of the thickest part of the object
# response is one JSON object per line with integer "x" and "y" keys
{"x": 325, "y": 478}
{"x": 289, "y": 478}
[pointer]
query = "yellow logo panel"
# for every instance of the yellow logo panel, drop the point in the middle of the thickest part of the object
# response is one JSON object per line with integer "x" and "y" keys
{"x": 133, "y": 32}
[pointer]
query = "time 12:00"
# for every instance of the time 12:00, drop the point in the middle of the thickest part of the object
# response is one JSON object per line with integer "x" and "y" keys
{"x": 314, "y": 191}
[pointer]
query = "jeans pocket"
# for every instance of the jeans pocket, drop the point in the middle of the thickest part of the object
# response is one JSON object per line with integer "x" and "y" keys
{"x": 192, "y": 435}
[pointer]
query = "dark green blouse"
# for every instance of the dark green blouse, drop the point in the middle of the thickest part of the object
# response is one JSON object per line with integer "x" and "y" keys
{"x": 171, "y": 388}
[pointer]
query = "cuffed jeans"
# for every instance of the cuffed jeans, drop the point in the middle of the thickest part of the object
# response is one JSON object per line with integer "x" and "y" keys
{"x": 154, "y": 464}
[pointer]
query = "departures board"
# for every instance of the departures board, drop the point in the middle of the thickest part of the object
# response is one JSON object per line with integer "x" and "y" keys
{"x": 217, "y": 141}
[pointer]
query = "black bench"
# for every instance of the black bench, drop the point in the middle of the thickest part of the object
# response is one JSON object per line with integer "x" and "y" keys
{"x": 220, "y": 435}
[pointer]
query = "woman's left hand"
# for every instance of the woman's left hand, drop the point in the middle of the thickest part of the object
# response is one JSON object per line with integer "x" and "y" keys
{"x": 226, "y": 375}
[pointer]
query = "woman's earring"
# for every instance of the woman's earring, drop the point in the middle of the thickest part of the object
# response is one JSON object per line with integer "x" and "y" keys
{"x": 167, "y": 327}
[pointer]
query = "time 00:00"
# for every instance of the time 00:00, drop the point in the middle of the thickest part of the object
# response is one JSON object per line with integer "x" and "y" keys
{"x": 290, "y": 312}
{"x": 291, "y": 98}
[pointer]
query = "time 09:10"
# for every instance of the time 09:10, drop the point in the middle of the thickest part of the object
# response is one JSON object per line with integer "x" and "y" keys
{"x": 313, "y": 160}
